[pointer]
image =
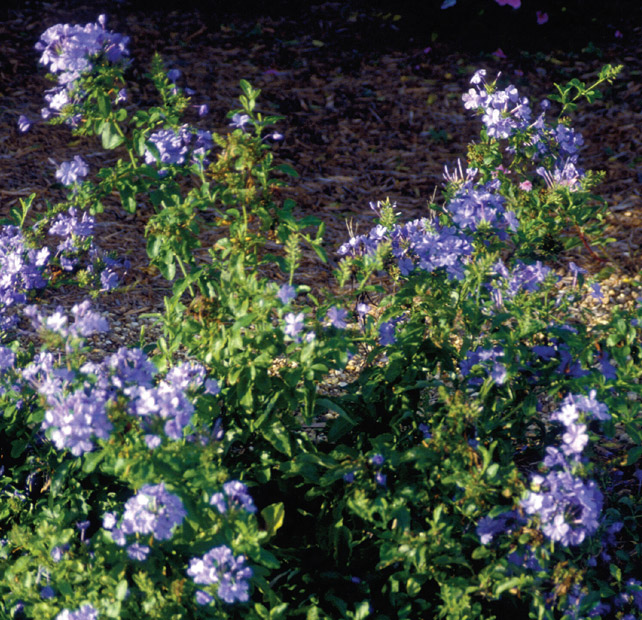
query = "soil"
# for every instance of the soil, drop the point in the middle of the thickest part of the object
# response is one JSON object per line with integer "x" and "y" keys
{"x": 370, "y": 93}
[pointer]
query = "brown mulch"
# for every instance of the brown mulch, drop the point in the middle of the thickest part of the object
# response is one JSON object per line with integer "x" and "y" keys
{"x": 364, "y": 120}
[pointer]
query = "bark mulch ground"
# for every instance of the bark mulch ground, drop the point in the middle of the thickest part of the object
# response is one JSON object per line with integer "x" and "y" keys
{"x": 371, "y": 100}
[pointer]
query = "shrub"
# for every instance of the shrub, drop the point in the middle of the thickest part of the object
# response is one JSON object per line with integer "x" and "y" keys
{"x": 481, "y": 463}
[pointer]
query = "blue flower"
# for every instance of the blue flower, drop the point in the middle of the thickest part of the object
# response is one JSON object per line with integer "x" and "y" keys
{"x": 153, "y": 510}
{"x": 70, "y": 51}
{"x": 7, "y": 359}
{"x": 362, "y": 309}
{"x": 488, "y": 528}
{"x": 24, "y": 124}
{"x": 236, "y": 494}
{"x": 239, "y": 121}
{"x": 70, "y": 172}
{"x": 211, "y": 387}
{"x": 58, "y": 552}
{"x": 138, "y": 552}
{"x": 166, "y": 401}
{"x": 203, "y": 598}
{"x": 170, "y": 146}
{"x": 108, "y": 280}
{"x": 575, "y": 439}
{"x": 337, "y": 317}
{"x": 568, "y": 507}
{"x": 286, "y": 294}
{"x": 387, "y": 333}
{"x": 221, "y": 568}
{"x": 86, "y": 612}
{"x": 76, "y": 419}
{"x": 293, "y": 324}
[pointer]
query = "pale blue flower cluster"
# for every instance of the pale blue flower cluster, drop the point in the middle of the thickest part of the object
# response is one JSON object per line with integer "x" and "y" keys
{"x": 221, "y": 568}
{"x": 521, "y": 277}
{"x": 489, "y": 360}
{"x": 86, "y": 612}
{"x": 504, "y": 111}
{"x": 234, "y": 495}
{"x": 152, "y": 511}
{"x": 76, "y": 232}
{"x": 77, "y": 243}
{"x": 69, "y": 51}
{"x": 21, "y": 270}
{"x": 173, "y": 146}
{"x": 564, "y": 174}
{"x": 78, "y": 416}
{"x": 170, "y": 146}
{"x": 70, "y": 172}
{"x": 473, "y": 204}
{"x": 567, "y": 506}
{"x": 416, "y": 244}
{"x": 166, "y": 402}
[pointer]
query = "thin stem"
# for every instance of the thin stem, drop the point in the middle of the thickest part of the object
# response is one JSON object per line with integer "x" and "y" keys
{"x": 182, "y": 266}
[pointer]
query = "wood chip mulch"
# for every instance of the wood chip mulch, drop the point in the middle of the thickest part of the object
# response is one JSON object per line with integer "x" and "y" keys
{"x": 364, "y": 119}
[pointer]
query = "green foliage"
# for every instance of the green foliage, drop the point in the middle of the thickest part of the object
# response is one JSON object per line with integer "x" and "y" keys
{"x": 368, "y": 497}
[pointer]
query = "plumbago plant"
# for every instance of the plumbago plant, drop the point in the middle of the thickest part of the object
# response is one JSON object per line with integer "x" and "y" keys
{"x": 483, "y": 461}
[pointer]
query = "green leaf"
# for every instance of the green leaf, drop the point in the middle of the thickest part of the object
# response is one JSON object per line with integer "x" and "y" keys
{"x": 633, "y": 455}
{"x": 362, "y": 611}
{"x": 331, "y": 406}
{"x": 110, "y": 136}
{"x": 104, "y": 105}
{"x": 287, "y": 169}
{"x": 273, "y": 515}
{"x": 413, "y": 586}
{"x": 128, "y": 198}
{"x": 246, "y": 87}
{"x": 491, "y": 472}
{"x": 480, "y": 553}
{"x": 139, "y": 143}
{"x": 166, "y": 265}
{"x": 278, "y": 436}
{"x": 91, "y": 460}
{"x": 18, "y": 447}
{"x": 507, "y": 585}
{"x": 154, "y": 245}
{"x": 633, "y": 432}
{"x": 121, "y": 590}
{"x": 268, "y": 559}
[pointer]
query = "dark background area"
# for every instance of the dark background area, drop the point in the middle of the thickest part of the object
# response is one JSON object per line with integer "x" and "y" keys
{"x": 470, "y": 25}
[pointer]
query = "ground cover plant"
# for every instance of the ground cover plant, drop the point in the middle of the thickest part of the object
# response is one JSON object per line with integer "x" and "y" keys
{"x": 482, "y": 462}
